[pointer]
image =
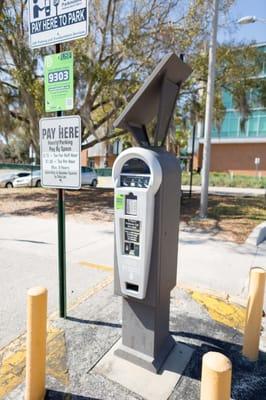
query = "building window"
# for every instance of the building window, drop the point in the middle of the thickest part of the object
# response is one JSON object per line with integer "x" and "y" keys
{"x": 91, "y": 163}
{"x": 262, "y": 125}
{"x": 253, "y": 123}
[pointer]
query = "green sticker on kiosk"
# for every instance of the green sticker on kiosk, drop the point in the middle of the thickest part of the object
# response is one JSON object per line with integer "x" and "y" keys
{"x": 58, "y": 82}
{"x": 119, "y": 201}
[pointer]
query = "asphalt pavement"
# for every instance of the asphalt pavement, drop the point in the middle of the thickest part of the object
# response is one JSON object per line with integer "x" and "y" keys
{"x": 28, "y": 257}
{"x": 77, "y": 344}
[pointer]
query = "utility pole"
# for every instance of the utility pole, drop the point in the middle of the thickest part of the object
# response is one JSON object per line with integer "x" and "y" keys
{"x": 208, "y": 113}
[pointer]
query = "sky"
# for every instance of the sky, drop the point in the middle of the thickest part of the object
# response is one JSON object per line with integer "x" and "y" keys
{"x": 246, "y": 33}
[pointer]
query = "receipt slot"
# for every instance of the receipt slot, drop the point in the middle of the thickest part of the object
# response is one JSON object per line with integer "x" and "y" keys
{"x": 146, "y": 201}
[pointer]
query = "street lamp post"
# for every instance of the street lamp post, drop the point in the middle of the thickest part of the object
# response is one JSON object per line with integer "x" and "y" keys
{"x": 208, "y": 114}
{"x": 209, "y": 105}
{"x": 250, "y": 20}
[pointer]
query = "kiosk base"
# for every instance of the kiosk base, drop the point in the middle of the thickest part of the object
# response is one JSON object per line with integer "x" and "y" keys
{"x": 145, "y": 383}
{"x": 146, "y": 340}
{"x": 150, "y": 363}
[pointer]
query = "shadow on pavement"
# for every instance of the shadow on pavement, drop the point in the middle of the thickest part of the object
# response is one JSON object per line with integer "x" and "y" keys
{"x": 249, "y": 379}
{"x": 54, "y": 395}
{"x": 26, "y": 241}
{"x": 92, "y": 322}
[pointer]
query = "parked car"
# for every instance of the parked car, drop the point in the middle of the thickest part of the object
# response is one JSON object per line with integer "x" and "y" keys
{"x": 88, "y": 177}
{"x": 30, "y": 180}
{"x": 8, "y": 180}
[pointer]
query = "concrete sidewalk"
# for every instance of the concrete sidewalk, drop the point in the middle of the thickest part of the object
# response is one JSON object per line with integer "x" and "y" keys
{"x": 206, "y": 263}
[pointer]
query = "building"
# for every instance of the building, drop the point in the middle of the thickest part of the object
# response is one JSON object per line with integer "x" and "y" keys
{"x": 84, "y": 158}
{"x": 233, "y": 150}
{"x": 102, "y": 155}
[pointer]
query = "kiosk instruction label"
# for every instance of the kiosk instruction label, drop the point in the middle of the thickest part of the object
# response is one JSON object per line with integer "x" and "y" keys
{"x": 57, "y": 21}
{"x": 60, "y": 145}
{"x": 58, "y": 81}
{"x": 119, "y": 201}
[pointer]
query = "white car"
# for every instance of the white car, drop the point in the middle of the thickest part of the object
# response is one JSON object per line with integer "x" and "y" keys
{"x": 28, "y": 180}
{"x": 7, "y": 180}
{"x": 88, "y": 177}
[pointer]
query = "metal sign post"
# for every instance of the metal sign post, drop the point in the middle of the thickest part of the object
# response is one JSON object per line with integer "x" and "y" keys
{"x": 61, "y": 232}
{"x": 55, "y": 22}
{"x": 60, "y": 143}
{"x": 61, "y": 253}
{"x": 257, "y": 163}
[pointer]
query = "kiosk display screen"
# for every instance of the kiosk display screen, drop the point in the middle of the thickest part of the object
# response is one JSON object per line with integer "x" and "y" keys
{"x": 135, "y": 173}
{"x": 136, "y": 166}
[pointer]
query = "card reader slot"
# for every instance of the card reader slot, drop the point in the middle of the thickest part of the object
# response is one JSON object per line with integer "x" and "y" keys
{"x": 132, "y": 286}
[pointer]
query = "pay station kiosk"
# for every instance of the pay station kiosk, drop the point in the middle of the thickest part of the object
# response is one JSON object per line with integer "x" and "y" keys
{"x": 147, "y": 196}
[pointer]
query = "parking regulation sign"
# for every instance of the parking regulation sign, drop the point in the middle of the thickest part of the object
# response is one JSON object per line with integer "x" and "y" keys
{"x": 57, "y": 21}
{"x": 58, "y": 81}
{"x": 60, "y": 147}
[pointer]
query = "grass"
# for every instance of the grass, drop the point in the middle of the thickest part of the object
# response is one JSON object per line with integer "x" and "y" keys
{"x": 229, "y": 217}
{"x": 225, "y": 180}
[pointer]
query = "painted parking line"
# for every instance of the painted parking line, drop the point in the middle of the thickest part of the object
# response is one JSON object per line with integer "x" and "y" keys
{"x": 222, "y": 311}
{"x": 13, "y": 361}
{"x": 96, "y": 266}
{"x": 13, "y": 356}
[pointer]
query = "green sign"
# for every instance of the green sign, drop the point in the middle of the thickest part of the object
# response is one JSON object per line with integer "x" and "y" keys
{"x": 58, "y": 82}
{"x": 119, "y": 201}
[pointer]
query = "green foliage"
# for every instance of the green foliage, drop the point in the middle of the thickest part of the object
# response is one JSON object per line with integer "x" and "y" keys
{"x": 16, "y": 151}
{"x": 236, "y": 67}
{"x": 126, "y": 40}
{"x": 221, "y": 179}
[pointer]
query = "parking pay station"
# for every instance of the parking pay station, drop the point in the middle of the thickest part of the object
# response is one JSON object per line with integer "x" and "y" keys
{"x": 147, "y": 196}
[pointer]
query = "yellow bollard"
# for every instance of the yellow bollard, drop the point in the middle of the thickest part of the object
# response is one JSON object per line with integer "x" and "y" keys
{"x": 216, "y": 377}
{"x": 36, "y": 343}
{"x": 254, "y": 313}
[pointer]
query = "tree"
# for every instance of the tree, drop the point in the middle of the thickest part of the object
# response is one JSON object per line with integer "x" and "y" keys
{"x": 20, "y": 86}
{"x": 236, "y": 67}
{"x": 126, "y": 39}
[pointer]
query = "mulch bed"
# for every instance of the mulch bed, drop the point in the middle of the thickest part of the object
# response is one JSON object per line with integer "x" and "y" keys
{"x": 229, "y": 217}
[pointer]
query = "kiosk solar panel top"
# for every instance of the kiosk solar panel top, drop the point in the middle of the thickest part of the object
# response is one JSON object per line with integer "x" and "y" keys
{"x": 145, "y": 104}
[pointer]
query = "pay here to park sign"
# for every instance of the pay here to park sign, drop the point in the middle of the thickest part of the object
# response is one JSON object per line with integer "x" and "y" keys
{"x": 57, "y": 21}
{"x": 60, "y": 146}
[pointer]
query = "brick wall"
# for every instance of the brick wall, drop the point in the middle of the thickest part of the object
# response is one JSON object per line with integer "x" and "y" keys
{"x": 84, "y": 158}
{"x": 236, "y": 157}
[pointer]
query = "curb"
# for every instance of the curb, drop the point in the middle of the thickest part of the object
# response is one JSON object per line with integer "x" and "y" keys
{"x": 258, "y": 235}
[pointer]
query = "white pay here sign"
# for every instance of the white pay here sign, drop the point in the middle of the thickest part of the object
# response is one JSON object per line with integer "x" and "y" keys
{"x": 60, "y": 147}
{"x": 57, "y": 21}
